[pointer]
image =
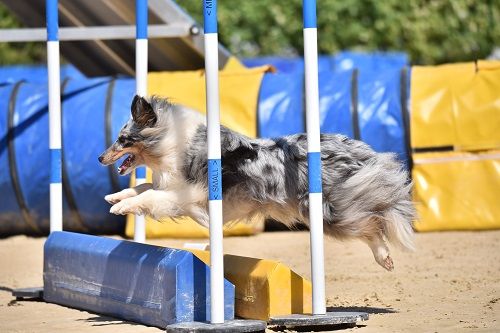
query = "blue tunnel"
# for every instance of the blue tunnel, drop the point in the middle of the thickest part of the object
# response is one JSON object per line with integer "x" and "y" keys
{"x": 362, "y": 97}
{"x": 93, "y": 111}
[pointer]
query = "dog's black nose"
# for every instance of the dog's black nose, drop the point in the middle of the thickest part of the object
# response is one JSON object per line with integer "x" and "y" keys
{"x": 100, "y": 159}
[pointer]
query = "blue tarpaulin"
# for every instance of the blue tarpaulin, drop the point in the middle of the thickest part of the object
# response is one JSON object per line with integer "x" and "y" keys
{"x": 12, "y": 74}
{"x": 335, "y": 102}
{"x": 280, "y": 105}
{"x": 342, "y": 61}
{"x": 377, "y": 97}
{"x": 90, "y": 109}
{"x": 93, "y": 111}
{"x": 380, "y": 113}
{"x": 374, "y": 61}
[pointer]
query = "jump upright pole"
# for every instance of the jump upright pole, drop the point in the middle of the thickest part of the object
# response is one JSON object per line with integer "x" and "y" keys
{"x": 54, "y": 81}
{"x": 214, "y": 162}
{"x": 319, "y": 315}
{"x": 55, "y": 133}
{"x": 56, "y": 199}
{"x": 141, "y": 84}
{"x": 314, "y": 157}
{"x": 218, "y": 321}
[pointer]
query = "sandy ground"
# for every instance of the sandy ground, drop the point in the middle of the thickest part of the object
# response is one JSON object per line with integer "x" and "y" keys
{"x": 451, "y": 284}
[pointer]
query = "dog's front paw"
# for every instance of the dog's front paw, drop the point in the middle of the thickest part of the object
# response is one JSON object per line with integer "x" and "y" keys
{"x": 112, "y": 198}
{"x": 125, "y": 207}
{"x": 119, "y": 196}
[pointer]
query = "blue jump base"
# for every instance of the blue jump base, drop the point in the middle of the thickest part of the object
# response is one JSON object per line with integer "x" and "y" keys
{"x": 147, "y": 284}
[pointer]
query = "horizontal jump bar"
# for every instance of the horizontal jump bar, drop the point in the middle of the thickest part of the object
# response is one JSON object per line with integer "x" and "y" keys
{"x": 97, "y": 32}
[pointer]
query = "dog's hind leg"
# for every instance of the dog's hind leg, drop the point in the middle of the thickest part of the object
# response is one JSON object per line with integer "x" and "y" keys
{"x": 127, "y": 193}
{"x": 380, "y": 250}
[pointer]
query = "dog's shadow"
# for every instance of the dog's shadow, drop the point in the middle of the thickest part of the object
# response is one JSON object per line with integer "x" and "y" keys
{"x": 101, "y": 320}
{"x": 367, "y": 309}
{"x": 339, "y": 327}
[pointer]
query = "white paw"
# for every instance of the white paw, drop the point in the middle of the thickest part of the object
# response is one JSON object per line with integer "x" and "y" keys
{"x": 112, "y": 198}
{"x": 124, "y": 207}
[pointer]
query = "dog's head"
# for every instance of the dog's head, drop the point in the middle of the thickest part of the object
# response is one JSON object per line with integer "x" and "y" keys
{"x": 132, "y": 139}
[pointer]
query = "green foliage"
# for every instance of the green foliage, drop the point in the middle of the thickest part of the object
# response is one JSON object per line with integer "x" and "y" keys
{"x": 430, "y": 31}
{"x": 18, "y": 53}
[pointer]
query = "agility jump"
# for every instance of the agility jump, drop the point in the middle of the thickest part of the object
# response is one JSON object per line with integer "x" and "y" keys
{"x": 260, "y": 180}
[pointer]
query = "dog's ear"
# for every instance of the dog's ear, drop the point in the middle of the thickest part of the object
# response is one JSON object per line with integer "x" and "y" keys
{"x": 142, "y": 112}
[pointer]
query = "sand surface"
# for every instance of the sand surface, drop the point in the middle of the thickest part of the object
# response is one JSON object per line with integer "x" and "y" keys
{"x": 451, "y": 284}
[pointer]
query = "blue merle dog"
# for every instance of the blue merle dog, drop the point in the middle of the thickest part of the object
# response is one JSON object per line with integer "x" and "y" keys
{"x": 366, "y": 195}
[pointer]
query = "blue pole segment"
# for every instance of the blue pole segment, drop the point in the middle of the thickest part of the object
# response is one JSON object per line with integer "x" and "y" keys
{"x": 141, "y": 19}
{"x": 309, "y": 9}
{"x": 314, "y": 172}
{"x": 214, "y": 179}
{"x": 52, "y": 20}
{"x": 55, "y": 166}
{"x": 210, "y": 16}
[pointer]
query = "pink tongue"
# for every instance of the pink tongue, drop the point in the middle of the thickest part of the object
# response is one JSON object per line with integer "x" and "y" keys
{"x": 124, "y": 166}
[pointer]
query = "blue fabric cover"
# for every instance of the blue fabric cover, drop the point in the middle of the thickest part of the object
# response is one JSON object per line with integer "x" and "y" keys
{"x": 335, "y": 102}
{"x": 342, "y": 61}
{"x": 380, "y": 118}
{"x": 9, "y": 209}
{"x": 31, "y": 146}
{"x": 280, "y": 105}
{"x": 38, "y": 74}
{"x": 147, "y": 284}
{"x": 348, "y": 60}
{"x": 83, "y": 124}
{"x": 281, "y": 100}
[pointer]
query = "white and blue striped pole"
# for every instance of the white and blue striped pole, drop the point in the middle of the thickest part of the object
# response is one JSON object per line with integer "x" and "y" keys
{"x": 314, "y": 157}
{"x": 141, "y": 86}
{"x": 56, "y": 201}
{"x": 214, "y": 162}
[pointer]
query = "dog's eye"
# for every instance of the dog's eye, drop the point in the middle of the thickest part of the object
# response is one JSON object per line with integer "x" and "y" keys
{"x": 122, "y": 139}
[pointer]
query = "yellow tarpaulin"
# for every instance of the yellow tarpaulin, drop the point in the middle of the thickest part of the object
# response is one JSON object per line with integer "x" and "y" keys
{"x": 456, "y": 105}
{"x": 457, "y": 191}
{"x": 239, "y": 94}
{"x": 456, "y": 108}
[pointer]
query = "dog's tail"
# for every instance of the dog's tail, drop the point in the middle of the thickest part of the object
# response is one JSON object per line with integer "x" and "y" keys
{"x": 375, "y": 199}
{"x": 399, "y": 216}
{"x": 398, "y": 226}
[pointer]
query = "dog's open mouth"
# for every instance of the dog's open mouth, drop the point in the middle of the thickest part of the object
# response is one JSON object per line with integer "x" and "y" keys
{"x": 126, "y": 164}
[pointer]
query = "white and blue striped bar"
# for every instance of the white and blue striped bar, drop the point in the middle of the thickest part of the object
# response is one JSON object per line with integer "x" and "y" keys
{"x": 141, "y": 86}
{"x": 56, "y": 199}
{"x": 314, "y": 158}
{"x": 214, "y": 162}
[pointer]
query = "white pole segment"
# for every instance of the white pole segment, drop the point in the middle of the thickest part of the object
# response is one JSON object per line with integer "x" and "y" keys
{"x": 214, "y": 162}
{"x": 141, "y": 82}
{"x": 141, "y": 66}
{"x": 141, "y": 76}
{"x": 56, "y": 198}
{"x": 314, "y": 158}
{"x": 56, "y": 212}
{"x": 312, "y": 90}
{"x": 212, "y": 89}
